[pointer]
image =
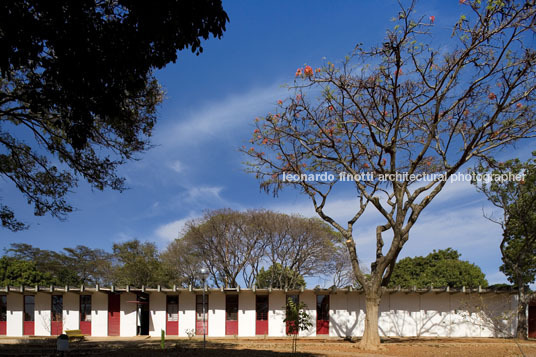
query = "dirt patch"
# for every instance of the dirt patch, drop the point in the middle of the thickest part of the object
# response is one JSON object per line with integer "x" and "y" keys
{"x": 317, "y": 347}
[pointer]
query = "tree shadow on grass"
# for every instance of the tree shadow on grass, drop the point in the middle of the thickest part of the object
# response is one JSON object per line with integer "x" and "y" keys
{"x": 134, "y": 348}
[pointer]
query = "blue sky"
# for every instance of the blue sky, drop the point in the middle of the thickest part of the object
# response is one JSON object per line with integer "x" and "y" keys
{"x": 211, "y": 101}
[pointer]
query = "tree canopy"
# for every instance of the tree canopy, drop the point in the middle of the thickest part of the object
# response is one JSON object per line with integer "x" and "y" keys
{"x": 440, "y": 268}
{"x": 395, "y": 121}
{"x": 517, "y": 203}
{"x": 78, "y": 96}
{"x": 279, "y": 278}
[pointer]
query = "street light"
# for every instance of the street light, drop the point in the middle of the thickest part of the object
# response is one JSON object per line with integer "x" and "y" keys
{"x": 203, "y": 275}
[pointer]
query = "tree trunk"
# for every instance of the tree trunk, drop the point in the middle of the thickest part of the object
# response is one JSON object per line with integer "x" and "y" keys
{"x": 371, "y": 336}
{"x": 521, "y": 332}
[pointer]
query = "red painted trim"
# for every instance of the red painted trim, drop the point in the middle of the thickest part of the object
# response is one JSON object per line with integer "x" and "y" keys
{"x": 199, "y": 322}
{"x": 85, "y": 327}
{"x": 56, "y": 328}
{"x": 3, "y": 327}
{"x": 172, "y": 327}
{"x": 261, "y": 326}
{"x": 28, "y": 328}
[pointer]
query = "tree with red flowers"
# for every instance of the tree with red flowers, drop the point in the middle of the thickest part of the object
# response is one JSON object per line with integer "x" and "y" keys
{"x": 402, "y": 107}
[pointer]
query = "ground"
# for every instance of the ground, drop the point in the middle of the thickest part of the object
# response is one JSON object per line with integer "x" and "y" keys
{"x": 332, "y": 347}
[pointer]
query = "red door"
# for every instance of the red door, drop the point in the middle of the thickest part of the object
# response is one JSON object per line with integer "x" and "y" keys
{"x": 56, "y": 325}
{"x": 322, "y": 314}
{"x": 172, "y": 320}
{"x": 231, "y": 314}
{"x": 261, "y": 309}
{"x": 114, "y": 319}
{"x": 199, "y": 314}
{"x": 85, "y": 314}
{"x": 532, "y": 321}
{"x": 3, "y": 314}
{"x": 29, "y": 315}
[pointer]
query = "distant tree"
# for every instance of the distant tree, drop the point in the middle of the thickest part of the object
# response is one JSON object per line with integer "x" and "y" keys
{"x": 517, "y": 202}
{"x": 15, "y": 272}
{"x": 78, "y": 94}
{"x": 233, "y": 245}
{"x": 91, "y": 266}
{"x": 279, "y": 277}
{"x": 226, "y": 241}
{"x": 181, "y": 264}
{"x": 440, "y": 268}
{"x": 55, "y": 264}
{"x": 409, "y": 112}
{"x": 137, "y": 264}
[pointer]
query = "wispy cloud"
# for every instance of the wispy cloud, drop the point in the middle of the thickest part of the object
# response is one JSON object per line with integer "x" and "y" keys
{"x": 218, "y": 118}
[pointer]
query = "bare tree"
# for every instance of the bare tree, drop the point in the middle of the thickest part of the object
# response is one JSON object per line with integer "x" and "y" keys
{"x": 402, "y": 108}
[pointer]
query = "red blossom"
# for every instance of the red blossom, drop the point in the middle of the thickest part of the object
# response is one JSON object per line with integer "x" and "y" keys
{"x": 256, "y": 131}
{"x": 330, "y": 108}
{"x": 298, "y": 72}
{"x": 265, "y": 141}
{"x": 365, "y": 165}
{"x": 308, "y": 71}
{"x": 384, "y": 161}
{"x": 462, "y": 1}
{"x": 492, "y": 96}
{"x": 432, "y": 19}
{"x": 279, "y": 102}
{"x": 399, "y": 72}
{"x": 519, "y": 105}
{"x": 318, "y": 70}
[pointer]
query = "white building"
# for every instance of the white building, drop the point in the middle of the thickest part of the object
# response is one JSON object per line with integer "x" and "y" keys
{"x": 128, "y": 311}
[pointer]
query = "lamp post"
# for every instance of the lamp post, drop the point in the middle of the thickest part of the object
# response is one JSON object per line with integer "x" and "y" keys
{"x": 203, "y": 274}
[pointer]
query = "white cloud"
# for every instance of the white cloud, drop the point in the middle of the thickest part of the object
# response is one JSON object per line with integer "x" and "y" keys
{"x": 201, "y": 194}
{"x": 220, "y": 117}
{"x": 172, "y": 230}
{"x": 176, "y": 166}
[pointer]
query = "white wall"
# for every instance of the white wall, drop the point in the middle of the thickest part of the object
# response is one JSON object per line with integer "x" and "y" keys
{"x": 186, "y": 313}
{"x": 246, "y": 314}
{"x": 71, "y": 311}
{"x": 43, "y": 304}
{"x": 276, "y": 315}
{"x": 128, "y": 315}
{"x": 157, "y": 313}
{"x": 344, "y": 312}
{"x": 435, "y": 315}
{"x": 14, "y": 314}
{"x": 99, "y": 314}
{"x": 216, "y": 314}
{"x": 309, "y": 298}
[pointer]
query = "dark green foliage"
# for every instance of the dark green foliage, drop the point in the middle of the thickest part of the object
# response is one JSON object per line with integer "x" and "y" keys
{"x": 440, "y": 268}
{"x": 77, "y": 92}
{"x": 279, "y": 278}
{"x": 16, "y": 272}
{"x": 297, "y": 319}
{"x": 138, "y": 264}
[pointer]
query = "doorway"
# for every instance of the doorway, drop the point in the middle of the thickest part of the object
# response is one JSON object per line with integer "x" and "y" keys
{"x": 532, "y": 320}
{"x": 143, "y": 313}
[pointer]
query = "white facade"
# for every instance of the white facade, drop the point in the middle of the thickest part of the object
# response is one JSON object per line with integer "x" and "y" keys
{"x": 434, "y": 313}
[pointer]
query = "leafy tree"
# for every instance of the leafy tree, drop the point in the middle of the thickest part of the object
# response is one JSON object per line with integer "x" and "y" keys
{"x": 16, "y": 272}
{"x": 78, "y": 95}
{"x": 440, "y": 268}
{"x": 297, "y": 319}
{"x": 137, "y": 264}
{"x": 57, "y": 265}
{"x": 401, "y": 107}
{"x": 517, "y": 201}
{"x": 91, "y": 266}
{"x": 278, "y": 277}
{"x": 181, "y": 265}
{"x": 233, "y": 244}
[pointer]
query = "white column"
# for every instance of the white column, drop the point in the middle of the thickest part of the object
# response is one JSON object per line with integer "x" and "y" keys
{"x": 99, "y": 314}
{"x": 157, "y": 313}
{"x": 43, "y": 316}
{"x": 276, "y": 325}
{"x": 216, "y": 314}
{"x": 186, "y": 313}
{"x": 71, "y": 311}
{"x": 14, "y": 314}
{"x": 246, "y": 314}
{"x": 128, "y": 317}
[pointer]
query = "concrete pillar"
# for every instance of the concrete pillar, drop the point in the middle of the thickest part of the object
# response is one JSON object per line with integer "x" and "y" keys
{"x": 15, "y": 310}
{"x": 157, "y": 313}
{"x": 43, "y": 316}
